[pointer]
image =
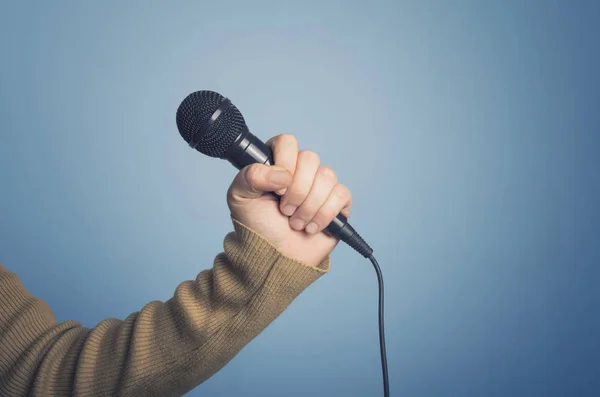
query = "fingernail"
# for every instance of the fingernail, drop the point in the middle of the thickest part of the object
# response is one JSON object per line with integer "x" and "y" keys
{"x": 279, "y": 178}
{"x": 312, "y": 228}
{"x": 281, "y": 192}
{"x": 289, "y": 210}
{"x": 297, "y": 223}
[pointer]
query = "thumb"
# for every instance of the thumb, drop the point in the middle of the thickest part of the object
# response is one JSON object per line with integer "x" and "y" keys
{"x": 256, "y": 179}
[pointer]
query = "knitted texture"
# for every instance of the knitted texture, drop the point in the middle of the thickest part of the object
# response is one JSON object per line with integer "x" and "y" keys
{"x": 166, "y": 348}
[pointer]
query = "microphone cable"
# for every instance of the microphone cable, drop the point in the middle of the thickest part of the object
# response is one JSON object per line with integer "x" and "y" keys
{"x": 350, "y": 236}
{"x": 386, "y": 386}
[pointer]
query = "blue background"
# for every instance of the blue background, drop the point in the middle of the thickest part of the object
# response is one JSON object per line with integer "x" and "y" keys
{"x": 469, "y": 133}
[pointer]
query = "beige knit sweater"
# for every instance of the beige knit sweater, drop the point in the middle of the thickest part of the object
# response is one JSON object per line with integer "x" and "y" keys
{"x": 165, "y": 349}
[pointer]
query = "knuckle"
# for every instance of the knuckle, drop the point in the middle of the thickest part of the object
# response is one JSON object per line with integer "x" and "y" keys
{"x": 310, "y": 156}
{"x": 309, "y": 209}
{"x": 304, "y": 213}
{"x": 254, "y": 173}
{"x": 287, "y": 138}
{"x": 327, "y": 173}
{"x": 230, "y": 194}
{"x": 325, "y": 216}
{"x": 295, "y": 196}
{"x": 342, "y": 192}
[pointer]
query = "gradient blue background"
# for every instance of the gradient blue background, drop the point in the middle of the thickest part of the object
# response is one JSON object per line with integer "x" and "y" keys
{"x": 469, "y": 133}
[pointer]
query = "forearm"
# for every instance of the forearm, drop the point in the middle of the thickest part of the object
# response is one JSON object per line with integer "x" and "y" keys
{"x": 167, "y": 348}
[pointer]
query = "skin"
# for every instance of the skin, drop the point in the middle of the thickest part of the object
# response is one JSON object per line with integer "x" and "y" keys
{"x": 310, "y": 193}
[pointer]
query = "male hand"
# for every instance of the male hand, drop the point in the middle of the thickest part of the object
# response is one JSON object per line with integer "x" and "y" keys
{"x": 311, "y": 199}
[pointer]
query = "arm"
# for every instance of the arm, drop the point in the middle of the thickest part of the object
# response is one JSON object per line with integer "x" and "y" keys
{"x": 166, "y": 349}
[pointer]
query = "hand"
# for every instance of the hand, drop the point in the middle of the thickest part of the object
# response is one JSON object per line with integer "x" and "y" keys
{"x": 311, "y": 199}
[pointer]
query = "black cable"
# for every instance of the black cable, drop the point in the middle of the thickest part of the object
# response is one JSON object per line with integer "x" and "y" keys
{"x": 386, "y": 386}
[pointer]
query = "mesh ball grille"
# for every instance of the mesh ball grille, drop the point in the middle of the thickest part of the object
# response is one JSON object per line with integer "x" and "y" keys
{"x": 194, "y": 112}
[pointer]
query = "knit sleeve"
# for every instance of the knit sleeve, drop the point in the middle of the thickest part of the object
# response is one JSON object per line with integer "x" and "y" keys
{"x": 166, "y": 348}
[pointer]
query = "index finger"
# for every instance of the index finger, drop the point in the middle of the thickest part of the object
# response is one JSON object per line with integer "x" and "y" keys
{"x": 285, "y": 152}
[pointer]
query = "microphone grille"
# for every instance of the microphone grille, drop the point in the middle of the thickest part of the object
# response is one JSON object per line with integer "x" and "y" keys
{"x": 193, "y": 113}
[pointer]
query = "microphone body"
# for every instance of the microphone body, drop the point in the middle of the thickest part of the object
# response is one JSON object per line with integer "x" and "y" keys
{"x": 211, "y": 124}
{"x": 248, "y": 149}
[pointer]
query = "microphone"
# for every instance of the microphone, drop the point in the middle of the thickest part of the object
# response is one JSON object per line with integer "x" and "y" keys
{"x": 211, "y": 124}
{"x": 214, "y": 126}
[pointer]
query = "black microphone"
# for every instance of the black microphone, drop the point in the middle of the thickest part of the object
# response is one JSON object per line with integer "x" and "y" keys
{"x": 211, "y": 124}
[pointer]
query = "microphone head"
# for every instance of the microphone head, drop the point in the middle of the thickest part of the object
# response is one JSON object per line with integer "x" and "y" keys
{"x": 193, "y": 113}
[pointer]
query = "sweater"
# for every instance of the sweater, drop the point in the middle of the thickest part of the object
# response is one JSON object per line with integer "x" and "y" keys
{"x": 166, "y": 348}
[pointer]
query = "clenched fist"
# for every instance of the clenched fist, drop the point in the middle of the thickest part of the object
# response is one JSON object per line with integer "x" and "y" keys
{"x": 311, "y": 199}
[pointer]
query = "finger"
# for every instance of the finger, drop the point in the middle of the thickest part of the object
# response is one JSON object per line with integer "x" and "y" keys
{"x": 340, "y": 200}
{"x": 306, "y": 168}
{"x": 285, "y": 153}
{"x": 322, "y": 186}
{"x": 256, "y": 179}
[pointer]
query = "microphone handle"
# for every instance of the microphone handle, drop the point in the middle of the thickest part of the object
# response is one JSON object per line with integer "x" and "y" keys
{"x": 248, "y": 149}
